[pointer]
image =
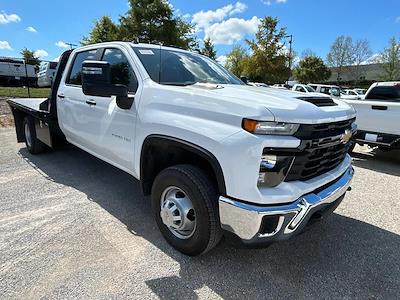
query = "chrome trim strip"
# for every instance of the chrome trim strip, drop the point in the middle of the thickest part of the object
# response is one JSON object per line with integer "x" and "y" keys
{"x": 245, "y": 219}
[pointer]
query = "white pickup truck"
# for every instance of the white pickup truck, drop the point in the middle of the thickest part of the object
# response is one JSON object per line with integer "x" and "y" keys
{"x": 378, "y": 116}
{"x": 217, "y": 156}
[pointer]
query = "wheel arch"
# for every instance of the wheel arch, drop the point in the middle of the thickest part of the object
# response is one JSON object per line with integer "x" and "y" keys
{"x": 160, "y": 152}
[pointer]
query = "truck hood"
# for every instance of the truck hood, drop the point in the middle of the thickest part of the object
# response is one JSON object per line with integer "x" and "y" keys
{"x": 284, "y": 105}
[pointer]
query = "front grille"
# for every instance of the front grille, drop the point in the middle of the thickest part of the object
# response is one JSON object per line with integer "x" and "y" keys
{"x": 321, "y": 150}
{"x": 319, "y": 101}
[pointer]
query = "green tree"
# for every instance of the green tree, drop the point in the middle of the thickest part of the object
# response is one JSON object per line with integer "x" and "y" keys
{"x": 390, "y": 58}
{"x": 268, "y": 63}
{"x": 104, "y": 30}
{"x": 235, "y": 60}
{"x": 340, "y": 55}
{"x": 311, "y": 69}
{"x": 208, "y": 49}
{"x": 29, "y": 57}
{"x": 153, "y": 21}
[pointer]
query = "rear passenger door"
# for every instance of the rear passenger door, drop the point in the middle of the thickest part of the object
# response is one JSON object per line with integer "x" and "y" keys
{"x": 74, "y": 112}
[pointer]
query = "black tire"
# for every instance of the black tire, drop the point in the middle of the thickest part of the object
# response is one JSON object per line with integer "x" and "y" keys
{"x": 33, "y": 145}
{"x": 203, "y": 194}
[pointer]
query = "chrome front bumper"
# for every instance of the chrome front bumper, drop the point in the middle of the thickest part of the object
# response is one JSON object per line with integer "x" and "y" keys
{"x": 253, "y": 224}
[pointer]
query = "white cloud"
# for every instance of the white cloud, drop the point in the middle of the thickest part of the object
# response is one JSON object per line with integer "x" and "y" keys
{"x": 31, "y": 29}
{"x": 5, "y": 19}
{"x": 232, "y": 30}
{"x": 203, "y": 19}
{"x": 57, "y": 59}
{"x": 40, "y": 53}
{"x": 222, "y": 59}
{"x": 62, "y": 44}
{"x": 4, "y": 45}
{"x": 281, "y": 1}
{"x": 268, "y": 3}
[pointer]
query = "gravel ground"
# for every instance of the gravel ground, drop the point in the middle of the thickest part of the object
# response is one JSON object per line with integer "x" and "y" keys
{"x": 6, "y": 119}
{"x": 72, "y": 226}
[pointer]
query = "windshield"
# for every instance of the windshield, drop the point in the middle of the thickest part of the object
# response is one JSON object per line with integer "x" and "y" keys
{"x": 309, "y": 88}
{"x": 182, "y": 68}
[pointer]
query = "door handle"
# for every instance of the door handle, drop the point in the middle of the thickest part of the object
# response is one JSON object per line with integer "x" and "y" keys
{"x": 91, "y": 102}
{"x": 379, "y": 107}
{"x": 61, "y": 96}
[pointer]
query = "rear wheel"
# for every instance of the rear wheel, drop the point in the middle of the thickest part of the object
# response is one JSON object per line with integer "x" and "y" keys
{"x": 33, "y": 145}
{"x": 185, "y": 206}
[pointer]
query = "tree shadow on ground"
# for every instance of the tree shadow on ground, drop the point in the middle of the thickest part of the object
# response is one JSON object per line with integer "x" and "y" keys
{"x": 340, "y": 258}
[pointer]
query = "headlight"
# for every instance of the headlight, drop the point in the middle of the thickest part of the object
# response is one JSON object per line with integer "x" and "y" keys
{"x": 276, "y": 128}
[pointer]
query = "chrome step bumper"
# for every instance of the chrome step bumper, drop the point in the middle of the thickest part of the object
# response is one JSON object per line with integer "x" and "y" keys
{"x": 252, "y": 223}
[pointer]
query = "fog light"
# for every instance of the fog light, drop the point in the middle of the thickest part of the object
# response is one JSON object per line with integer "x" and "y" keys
{"x": 273, "y": 169}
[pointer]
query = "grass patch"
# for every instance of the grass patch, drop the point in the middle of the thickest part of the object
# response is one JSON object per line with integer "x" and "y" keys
{"x": 21, "y": 92}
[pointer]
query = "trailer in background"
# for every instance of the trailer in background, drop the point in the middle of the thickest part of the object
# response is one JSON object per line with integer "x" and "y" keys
{"x": 47, "y": 70}
{"x": 14, "y": 72}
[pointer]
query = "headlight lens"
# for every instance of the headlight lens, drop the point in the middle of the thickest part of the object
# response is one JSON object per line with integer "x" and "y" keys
{"x": 275, "y": 128}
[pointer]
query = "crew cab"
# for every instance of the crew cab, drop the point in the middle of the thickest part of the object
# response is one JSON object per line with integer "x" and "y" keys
{"x": 378, "y": 115}
{"x": 217, "y": 156}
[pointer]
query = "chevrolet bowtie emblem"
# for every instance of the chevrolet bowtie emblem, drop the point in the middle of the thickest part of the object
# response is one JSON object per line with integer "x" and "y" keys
{"x": 346, "y": 136}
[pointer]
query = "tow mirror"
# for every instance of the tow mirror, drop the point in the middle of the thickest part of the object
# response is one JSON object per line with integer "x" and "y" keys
{"x": 96, "y": 81}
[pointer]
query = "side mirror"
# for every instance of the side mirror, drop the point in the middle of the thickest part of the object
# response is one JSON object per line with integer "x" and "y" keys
{"x": 244, "y": 79}
{"x": 96, "y": 81}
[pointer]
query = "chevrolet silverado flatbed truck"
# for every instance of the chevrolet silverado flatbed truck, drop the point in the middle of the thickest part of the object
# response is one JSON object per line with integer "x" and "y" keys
{"x": 217, "y": 156}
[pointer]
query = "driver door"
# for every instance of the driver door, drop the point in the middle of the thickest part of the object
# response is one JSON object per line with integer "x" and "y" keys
{"x": 116, "y": 126}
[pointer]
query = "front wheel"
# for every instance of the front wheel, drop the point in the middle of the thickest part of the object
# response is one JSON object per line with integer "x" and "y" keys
{"x": 185, "y": 206}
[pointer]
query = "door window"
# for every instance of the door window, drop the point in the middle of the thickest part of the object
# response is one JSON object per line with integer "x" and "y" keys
{"x": 75, "y": 73}
{"x": 121, "y": 70}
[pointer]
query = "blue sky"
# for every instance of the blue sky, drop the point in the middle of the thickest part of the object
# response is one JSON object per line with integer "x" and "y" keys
{"x": 313, "y": 23}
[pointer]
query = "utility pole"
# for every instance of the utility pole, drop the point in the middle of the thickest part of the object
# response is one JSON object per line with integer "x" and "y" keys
{"x": 71, "y": 45}
{"x": 290, "y": 54}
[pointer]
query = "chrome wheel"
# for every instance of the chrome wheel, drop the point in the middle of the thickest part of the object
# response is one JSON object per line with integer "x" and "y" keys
{"x": 28, "y": 137}
{"x": 177, "y": 212}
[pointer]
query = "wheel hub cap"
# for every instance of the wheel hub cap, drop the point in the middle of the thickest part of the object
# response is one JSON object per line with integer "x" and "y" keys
{"x": 177, "y": 212}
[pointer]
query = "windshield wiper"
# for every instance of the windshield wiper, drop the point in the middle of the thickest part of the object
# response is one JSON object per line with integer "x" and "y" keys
{"x": 186, "y": 83}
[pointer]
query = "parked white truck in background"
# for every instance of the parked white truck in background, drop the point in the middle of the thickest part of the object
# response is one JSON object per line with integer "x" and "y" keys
{"x": 378, "y": 116}
{"x": 216, "y": 155}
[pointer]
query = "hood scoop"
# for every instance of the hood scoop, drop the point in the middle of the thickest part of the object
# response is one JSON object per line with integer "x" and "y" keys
{"x": 319, "y": 101}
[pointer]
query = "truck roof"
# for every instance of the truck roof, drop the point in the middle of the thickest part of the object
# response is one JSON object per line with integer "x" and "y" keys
{"x": 136, "y": 45}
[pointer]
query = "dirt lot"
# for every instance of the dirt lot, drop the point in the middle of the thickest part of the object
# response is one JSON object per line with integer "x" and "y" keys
{"x": 6, "y": 119}
{"x": 74, "y": 227}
